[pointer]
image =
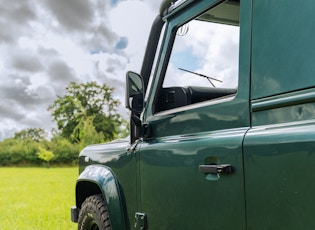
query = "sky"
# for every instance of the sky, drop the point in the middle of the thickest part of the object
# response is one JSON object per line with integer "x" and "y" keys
{"x": 44, "y": 45}
{"x": 207, "y": 48}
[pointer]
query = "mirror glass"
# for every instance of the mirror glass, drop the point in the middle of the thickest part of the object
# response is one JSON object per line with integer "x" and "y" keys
{"x": 134, "y": 92}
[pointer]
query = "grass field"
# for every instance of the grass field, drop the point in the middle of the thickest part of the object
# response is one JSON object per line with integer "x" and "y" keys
{"x": 37, "y": 198}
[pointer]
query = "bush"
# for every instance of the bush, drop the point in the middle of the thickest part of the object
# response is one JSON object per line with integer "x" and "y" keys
{"x": 64, "y": 151}
{"x": 22, "y": 152}
{"x": 45, "y": 155}
{"x": 18, "y": 152}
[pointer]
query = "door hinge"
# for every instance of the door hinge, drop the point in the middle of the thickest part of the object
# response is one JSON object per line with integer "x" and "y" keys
{"x": 141, "y": 221}
{"x": 133, "y": 146}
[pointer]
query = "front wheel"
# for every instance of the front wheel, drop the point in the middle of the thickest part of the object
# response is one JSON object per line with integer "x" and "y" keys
{"x": 93, "y": 214}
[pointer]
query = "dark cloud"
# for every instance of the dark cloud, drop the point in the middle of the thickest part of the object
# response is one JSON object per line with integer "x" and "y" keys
{"x": 46, "y": 93}
{"x": 85, "y": 22}
{"x": 22, "y": 107}
{"x": 60, "y": 73}
{"x": 15, "y": 93}
{"x": 44, "y": 45}
{"x": 10, "y": 108}
{"x": 99, "y": 39}
{"x": 15, "y": 16}
{"x": 24, "y": 10}
{"x": 27, "y": 63}
{"x": 72, "y": 14}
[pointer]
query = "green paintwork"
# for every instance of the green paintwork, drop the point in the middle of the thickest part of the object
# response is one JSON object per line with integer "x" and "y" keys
{"x": 265, "y": 131}
{"x": 183, "y": 139}
{"x": 279, "y": 175}
{"x": 283, "y": 46}
{"x": 279, "y": 147}
{"x": 284, "y": 100}
{"x": 119, "y": 165}
{"x": 108, "y": 184}
{"x": 174, "y": 191}
{"x": 285, "y": 108}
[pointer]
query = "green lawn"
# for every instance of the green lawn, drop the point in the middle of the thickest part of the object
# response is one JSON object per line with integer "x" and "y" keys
{"x": 37, "y": 198}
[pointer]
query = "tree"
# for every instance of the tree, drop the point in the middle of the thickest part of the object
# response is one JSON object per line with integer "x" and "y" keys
{"x": 85, "y": 132}
{"x": 45, "y": 155}
{"x": 36, "y": 134}
{"x": 86, "y": 102}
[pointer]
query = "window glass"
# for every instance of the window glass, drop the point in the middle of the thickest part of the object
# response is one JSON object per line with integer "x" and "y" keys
{"x": 203, "y": 64}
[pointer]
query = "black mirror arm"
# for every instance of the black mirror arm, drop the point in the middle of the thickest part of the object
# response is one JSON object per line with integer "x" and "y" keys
{"x": 136, "y": 119}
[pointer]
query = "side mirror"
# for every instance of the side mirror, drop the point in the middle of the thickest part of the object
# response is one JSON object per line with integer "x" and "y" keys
{"x": 134, "y": 94}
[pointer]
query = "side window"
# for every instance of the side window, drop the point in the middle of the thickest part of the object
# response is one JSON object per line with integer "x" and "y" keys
{"x": 203, "y": 64}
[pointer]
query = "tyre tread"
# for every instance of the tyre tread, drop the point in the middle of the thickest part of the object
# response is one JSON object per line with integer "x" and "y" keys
{"x": 96, "y": 205}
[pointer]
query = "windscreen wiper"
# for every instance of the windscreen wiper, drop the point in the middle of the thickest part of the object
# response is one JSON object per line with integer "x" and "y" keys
{"x": 202, "y": 75}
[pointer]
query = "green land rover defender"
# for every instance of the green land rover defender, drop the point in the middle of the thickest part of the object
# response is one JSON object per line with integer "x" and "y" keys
{"x": 222, "y": 124}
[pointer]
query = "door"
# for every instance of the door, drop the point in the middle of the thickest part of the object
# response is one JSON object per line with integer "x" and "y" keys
{"x": 191, "y": 163}
{"x": 279, "y": 149}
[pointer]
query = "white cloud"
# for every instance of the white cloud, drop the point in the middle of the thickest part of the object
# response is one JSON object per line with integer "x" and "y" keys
{"x": 45, "y": 45}
{"x": 208, "y": 48}
{"x": 128, "y": 22}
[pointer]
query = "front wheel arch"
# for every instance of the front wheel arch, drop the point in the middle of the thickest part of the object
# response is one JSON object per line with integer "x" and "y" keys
{"x": 84, "y": 189}
{"x": 99, "y": 179}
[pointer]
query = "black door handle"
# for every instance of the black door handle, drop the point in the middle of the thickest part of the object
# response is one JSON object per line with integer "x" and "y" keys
{"x": 216, "y": 169}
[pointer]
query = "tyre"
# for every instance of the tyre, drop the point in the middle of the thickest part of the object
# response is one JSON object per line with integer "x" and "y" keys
{"x": 93, "y": 214}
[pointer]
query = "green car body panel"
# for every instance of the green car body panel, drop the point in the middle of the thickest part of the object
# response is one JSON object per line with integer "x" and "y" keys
{"x": 97, "y": 163}
{"x": 242, "y": 161}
